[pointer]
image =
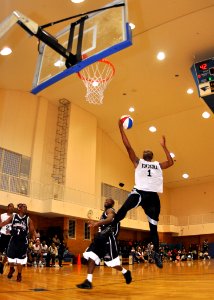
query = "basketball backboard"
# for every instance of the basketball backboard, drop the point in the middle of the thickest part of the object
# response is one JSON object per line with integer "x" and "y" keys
{"x": 102, "y": 33}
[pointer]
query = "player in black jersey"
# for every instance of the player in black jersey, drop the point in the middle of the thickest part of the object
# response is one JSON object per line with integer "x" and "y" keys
{"x": 148, "y": 183}
{"x": 104, "y": 246}
{"x": 21, "y": 226}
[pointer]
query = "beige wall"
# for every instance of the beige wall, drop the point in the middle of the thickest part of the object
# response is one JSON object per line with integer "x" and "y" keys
{"x": 18, "y": 113}
{"x": 192, "y": 200}
{"x": 81, "y": 153}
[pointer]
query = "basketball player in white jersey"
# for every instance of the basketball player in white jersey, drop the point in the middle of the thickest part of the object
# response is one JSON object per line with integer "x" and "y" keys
{"x": 148, "y": 183}
{"x": 5, "y": 235}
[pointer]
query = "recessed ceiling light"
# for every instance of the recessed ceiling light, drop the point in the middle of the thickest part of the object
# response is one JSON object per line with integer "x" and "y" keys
{"x": 6, "y": 51}
{"x": 206, "y": 115}
{"x": 59, "y": 63}
{"x": 172, "y": 155}
{"x": 132, "y": 26}
{"x": 131, "y": 109}
{"x": 190, "y": 91}
{"x": 185, "y": 176}
{"x": 77, "y": 1}
{"x": 152, "y": 129}
{"x": 95, "y": 83}
{"x": 161, "y": 55}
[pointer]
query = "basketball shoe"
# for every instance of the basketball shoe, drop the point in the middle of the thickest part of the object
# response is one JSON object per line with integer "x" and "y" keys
{"x": 85, "y": 285}
{"x": 19, "y": 277}
{"x": 10, "y": 274}
{"x": 158, "y": 260}
{"x": 128, "y": 277}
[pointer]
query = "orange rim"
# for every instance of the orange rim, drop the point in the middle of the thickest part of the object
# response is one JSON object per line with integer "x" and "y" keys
{"x": 103, "y": 60}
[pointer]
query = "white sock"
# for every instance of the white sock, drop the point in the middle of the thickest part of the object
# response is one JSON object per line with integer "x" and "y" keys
{"x": 89, "y": 277}
{"x": 124, "y": 271}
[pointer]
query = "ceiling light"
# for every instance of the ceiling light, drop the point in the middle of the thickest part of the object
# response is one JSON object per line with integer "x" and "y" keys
{"x": 185, "y": 176}
{"x": 6, "y": 51}
{"x": 190, "y": 91}
{"x": 59, "y": 63}
{"x": 206, "y": 115}
{"x": 132, "y": 26}
{"x": 152, "y": 129}
{"x": 95, "y": 83}
{"x": 131, "y": 109}
{"x": 161, "y": 56}
{"x": 172, "y": 155}
{"x": 77, "y": 1}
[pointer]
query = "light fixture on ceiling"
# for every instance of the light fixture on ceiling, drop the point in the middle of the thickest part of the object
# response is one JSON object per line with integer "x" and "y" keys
{"x": 77, "y": 1}
{"x": 152, "y": 129}
{"x": 185, "y": 175}
{"x": 190, "y": 91}
{"x": 161, "y": 55}
{"x": 206, "y": 115}
{"x": 59, "y": 63}
{"x": 172, "y": 155}
{"x": 132, "y": 26}
{"x": 6, "y": 51}
{"x": 131, "y": 109}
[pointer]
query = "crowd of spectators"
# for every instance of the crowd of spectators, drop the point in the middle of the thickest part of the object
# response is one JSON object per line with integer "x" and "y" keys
{"x": 143, "y": 251}
{"x": 43, "y": 254}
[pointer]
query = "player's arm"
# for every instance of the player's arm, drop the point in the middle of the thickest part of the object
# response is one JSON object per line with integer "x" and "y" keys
{"x": 32, "y": 229}
{"x": 110, "y": 217}
{"x": 169, "y": 162}
{"x": 128, "y": 146}
{"x": 8, "y": 221}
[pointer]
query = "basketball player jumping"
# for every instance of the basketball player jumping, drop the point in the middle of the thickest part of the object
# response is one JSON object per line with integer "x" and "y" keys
{"x": 148, "y": 183}
{"x": 104, "y": 246}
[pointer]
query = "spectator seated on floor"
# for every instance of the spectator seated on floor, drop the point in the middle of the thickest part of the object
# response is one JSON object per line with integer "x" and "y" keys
{"x": 36, "y": 253}
{"x": 67, "y": 255}
{"x": 206, "y": 255}
{"x": 52, "y": 254}
{"x": 44, "y": 252}
{"x": 134, "y": 255}
{"x": 29, "y": 253}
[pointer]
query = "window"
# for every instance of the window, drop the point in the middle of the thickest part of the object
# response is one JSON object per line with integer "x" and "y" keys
{"x": 87, "y": 232}
{"x": 72, "y": 229}
{"x": 14, "y": 172}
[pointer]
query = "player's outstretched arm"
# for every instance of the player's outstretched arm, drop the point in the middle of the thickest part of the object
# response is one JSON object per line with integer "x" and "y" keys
{"x": 169, "y": 162}
{"x": 128, "y": 146}
{"x": 8, "y": 221}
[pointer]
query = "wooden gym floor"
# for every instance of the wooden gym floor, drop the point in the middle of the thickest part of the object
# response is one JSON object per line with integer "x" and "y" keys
{"x": 185, "y": 280}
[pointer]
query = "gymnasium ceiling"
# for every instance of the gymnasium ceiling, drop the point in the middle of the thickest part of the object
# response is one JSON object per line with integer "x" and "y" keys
{"x": 183, "y": 29}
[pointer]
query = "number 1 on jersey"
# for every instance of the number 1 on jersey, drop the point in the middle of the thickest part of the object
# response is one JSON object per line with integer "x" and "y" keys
{"x": 149, "y": 173}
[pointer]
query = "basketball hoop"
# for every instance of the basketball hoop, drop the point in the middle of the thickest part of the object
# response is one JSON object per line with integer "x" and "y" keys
{"x": 96, "y": 77}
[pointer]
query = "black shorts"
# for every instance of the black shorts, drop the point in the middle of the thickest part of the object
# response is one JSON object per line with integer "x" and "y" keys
{"x": 104, "y": 247}
{"x": 4, "y": 241}
{"x": 149, "y": 201}
{"x": 17, "y": 248}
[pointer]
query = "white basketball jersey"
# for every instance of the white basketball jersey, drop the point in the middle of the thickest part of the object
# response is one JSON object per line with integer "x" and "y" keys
{"x": 7, "y": 228}
{"x": 149, "y": 176}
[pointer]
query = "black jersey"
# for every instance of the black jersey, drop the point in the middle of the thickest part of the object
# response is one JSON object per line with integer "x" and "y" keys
{"x": 20, "y": 227}
{"x": 112, "y": 228}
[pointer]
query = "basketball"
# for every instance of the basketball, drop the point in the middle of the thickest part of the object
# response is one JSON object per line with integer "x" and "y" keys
{"x": 127, "y": 121}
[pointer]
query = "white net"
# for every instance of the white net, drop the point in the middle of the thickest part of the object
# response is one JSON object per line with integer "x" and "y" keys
{"x": 96, "y": 77}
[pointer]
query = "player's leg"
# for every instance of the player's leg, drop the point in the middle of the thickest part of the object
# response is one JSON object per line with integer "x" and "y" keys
{"x": 151, "y": 205}
{"x": 92, "y": 255}
{"x": 114, "y": 260}
{"x": 132, "y": 201}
